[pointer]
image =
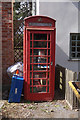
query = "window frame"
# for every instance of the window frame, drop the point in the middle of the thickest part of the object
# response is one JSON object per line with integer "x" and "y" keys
{"x": 76, "y": 46}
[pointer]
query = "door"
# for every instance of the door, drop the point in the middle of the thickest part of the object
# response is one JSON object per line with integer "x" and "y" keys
{"x": 41, "y": 65}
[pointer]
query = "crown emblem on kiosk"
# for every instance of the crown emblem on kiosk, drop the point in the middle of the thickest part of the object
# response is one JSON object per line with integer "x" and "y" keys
{"x": 40, "y": 19}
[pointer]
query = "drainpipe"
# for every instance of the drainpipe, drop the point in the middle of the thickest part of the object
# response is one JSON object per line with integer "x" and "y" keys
{"x": 33, "y": 7}
{"x": 37, "y": 7}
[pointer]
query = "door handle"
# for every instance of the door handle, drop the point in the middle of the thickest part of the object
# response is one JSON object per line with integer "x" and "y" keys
{"x": 51, "y": 63}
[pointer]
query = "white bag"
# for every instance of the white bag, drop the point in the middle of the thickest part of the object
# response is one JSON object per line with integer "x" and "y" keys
{"x": 12, "y": 69}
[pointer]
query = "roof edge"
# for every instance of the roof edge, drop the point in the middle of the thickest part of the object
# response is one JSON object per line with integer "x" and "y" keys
{"x": 39, "y": 16}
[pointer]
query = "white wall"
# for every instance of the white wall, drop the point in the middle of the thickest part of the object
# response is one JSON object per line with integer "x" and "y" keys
{"x": 66, "y": 15}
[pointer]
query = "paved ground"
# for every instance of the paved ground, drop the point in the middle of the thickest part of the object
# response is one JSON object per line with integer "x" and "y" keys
{"x": 25, "y": 109}
{"x": 54, "y": 109}
{"x": 1, "y": 104}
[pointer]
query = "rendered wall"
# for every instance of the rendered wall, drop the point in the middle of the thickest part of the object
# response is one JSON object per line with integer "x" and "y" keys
{"x": 66, "y": 16}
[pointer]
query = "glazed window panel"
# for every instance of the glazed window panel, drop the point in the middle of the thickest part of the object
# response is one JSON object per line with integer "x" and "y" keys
{"x": 75, "y": 46}
{"x": 38, "y": 36}
{"x": 38, "y": 44}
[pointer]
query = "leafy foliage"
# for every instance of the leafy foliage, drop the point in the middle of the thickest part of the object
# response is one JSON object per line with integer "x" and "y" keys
{"x": 22, "y": 10}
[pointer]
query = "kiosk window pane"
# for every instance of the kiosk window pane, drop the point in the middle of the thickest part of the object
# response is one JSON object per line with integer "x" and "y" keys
{"x": 39, "y": 52}
{"x": 38, "y": 44}
{"x": 40, "y": 36}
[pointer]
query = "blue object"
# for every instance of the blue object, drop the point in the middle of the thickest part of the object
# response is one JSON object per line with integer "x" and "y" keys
{"x": 16, "y": 89}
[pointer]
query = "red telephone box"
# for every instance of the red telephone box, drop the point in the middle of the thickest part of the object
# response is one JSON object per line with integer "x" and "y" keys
{"x": 39, "y": 58}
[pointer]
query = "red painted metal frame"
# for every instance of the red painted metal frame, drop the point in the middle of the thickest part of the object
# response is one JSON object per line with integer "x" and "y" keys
{"x": 35, "y": 19}
{"x": 40, "y": 96}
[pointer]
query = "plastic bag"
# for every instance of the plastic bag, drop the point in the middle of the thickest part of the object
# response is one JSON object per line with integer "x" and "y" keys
{"x": 13, "y": 68}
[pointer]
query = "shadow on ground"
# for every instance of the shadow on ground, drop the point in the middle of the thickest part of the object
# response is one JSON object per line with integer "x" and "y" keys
{"x": 57, "y": 96}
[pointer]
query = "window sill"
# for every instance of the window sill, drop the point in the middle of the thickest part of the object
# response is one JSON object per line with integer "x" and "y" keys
{"x": 74, "y": 60}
